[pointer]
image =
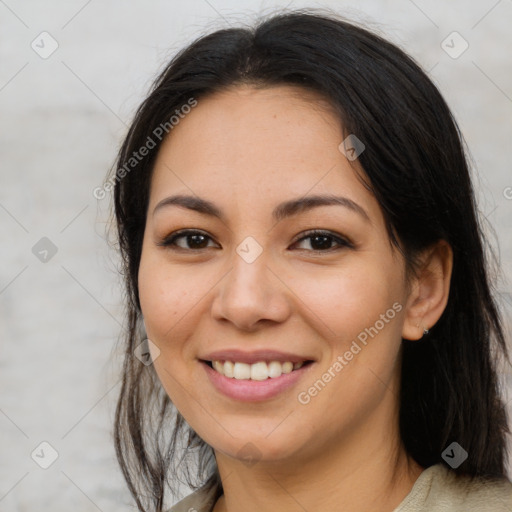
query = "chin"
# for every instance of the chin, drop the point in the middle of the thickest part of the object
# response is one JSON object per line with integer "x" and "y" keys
{"x": 251, "y": 449}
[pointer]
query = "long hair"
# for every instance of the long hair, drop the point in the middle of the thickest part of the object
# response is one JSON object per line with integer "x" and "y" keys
{"x": 416, "y": 167}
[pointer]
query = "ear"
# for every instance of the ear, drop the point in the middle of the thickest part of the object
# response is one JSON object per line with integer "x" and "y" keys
{"x": 429, "y": 290}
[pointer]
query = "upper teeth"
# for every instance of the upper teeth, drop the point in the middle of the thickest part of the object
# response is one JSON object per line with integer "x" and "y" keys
{"x": 256, "y": 371}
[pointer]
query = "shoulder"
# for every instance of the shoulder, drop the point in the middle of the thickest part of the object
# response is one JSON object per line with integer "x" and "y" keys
{"x": 438, "y": 489}
{"x": 201, "y": 500}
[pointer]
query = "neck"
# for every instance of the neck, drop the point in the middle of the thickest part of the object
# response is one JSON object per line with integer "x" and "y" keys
{"x": 369, "y": 471}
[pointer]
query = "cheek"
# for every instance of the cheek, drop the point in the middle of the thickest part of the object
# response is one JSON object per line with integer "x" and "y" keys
{"x": 160, "y": 305}
{"x": 169, "y": 300}
{"x": 166, "y": 296}
{"x": 349, "y": 299}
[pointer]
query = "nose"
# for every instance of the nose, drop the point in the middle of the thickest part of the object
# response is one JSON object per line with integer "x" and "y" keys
{"x": 251, "y": 295}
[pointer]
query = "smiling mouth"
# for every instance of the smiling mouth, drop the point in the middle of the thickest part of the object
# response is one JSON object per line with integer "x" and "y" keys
{"x": 262, "y": 370}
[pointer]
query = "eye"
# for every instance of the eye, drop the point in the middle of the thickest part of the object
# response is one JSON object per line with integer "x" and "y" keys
{"x": 188, "y": 240}
{"x": 322, "y": 241}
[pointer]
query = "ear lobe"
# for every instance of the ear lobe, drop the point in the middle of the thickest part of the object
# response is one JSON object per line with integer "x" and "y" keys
{"x": 430, "y": 288}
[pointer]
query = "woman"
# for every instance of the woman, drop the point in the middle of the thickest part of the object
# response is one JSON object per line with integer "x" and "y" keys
{"x": 302, "y": 252}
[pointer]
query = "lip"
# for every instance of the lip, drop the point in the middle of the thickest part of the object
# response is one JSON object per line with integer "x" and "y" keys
{"x": 254, "y": 390}
{"x": 239, "y": 356}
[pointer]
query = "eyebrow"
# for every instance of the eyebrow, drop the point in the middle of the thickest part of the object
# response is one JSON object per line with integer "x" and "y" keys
{"x": 280, "y": 212}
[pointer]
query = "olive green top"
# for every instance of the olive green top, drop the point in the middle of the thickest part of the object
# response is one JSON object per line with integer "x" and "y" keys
{"x": 437, "y": 489}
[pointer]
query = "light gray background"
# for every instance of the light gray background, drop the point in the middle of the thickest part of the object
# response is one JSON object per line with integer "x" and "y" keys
{"x": 62, "y": 119}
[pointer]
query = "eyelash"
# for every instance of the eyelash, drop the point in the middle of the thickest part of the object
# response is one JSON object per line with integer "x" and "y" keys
{"x": 170, "y": 241}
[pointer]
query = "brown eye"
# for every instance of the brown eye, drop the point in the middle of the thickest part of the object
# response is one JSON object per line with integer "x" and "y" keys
{"x": 322, "y": 241}
{"x": 188, "y": 240}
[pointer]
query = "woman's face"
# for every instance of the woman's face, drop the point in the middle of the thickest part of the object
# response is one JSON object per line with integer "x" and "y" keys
{"x": 287, "y": 261}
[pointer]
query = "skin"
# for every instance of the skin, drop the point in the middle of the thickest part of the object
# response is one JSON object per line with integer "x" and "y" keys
{"x": 248, "y": 150}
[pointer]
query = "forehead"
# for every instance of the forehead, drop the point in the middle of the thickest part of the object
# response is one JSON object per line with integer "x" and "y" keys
{"x": 257, "y": 143}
